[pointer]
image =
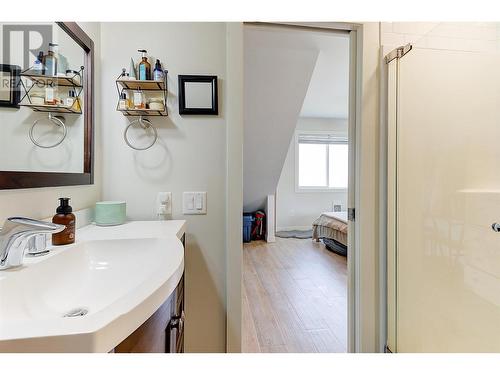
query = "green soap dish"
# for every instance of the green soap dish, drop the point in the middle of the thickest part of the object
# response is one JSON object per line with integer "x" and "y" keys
{"x": 110, "y": 213}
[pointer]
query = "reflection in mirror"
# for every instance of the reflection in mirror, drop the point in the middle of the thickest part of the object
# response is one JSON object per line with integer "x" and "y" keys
{"x": 198, "y": 94}
{"x": 51, "y": 82}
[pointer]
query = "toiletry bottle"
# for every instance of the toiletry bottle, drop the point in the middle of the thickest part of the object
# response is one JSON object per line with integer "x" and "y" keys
{"x": 158, "y": 72}
{"x": 144, "y": 67}
{"x": 122, "y": 104}
{"x": 50, "y": 95}
{"x": 76, "y": 103}
{"x": 70, "y": 100}
{"x": 129, "y": 101}
{"x": 65, "y": 217}
{"x": 139, "y": 100}
{"x": 38, "y": 65}
{"x": 50, "y": 61}
{"x": 132, "y": 72}
{"x": 62, "y": 64}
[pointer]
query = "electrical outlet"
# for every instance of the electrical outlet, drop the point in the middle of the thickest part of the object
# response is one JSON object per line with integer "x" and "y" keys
{"x": 337, "y": 208}
{"x": 164, "y": 203}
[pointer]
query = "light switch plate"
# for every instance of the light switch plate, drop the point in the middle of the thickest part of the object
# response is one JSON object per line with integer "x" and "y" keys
{"x": 194, "y": 203}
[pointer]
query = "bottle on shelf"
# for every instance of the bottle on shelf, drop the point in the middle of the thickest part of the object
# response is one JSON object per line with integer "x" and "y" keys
{"x": 38, "y": 64}
{"x": 50, "y": 61}
{"x": 123, "y": 103}
{"x": 139, "y": 100}
{"x": 70, "y": 100}
{"x": 158, "y": 71}
{"x": 50, "y": 95}
{"x": 76, "y": 103}
{"x": 132, "y": 71}
{"x": 144, "y": 67}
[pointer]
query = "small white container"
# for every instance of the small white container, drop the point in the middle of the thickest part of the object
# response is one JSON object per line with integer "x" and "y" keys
{"x": 37, "y": 98}
{"x": 156, "y": 104}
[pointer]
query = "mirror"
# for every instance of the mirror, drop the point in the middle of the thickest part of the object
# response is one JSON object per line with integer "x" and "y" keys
{"x": 46, "y": 114}
{"x": 198, "y": 95}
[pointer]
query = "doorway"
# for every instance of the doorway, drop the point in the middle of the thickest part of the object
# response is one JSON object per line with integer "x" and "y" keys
{"x": 298, "y": 146}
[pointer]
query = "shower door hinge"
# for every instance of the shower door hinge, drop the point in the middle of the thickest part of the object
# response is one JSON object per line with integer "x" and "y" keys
{"x": 398, "y": 53}
{"x": 351, "y": 214}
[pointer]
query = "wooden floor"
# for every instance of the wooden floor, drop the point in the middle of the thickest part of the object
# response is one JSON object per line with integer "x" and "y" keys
{"x": 294, "y": 297}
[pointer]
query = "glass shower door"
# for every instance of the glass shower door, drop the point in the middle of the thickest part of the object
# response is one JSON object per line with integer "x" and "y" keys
{"x": 443, "y": 197}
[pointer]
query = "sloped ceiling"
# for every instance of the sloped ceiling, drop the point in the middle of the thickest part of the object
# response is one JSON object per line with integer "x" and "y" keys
{"x": 328, "y": 92}
{"x": 276, "y": 82}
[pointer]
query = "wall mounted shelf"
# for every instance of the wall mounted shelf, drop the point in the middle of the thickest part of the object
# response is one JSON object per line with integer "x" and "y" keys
{"x": 142, "y": 85}
{"x": 51, "y": 108}
{"x": 148, "y": 88}
{"x": 53, "y": 80}
{"x": 143, "y": 112}
{"x": 41, "y": 80}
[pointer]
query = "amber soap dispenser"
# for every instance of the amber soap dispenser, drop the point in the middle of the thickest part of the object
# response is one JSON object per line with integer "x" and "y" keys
{"x": 65, "y": 217}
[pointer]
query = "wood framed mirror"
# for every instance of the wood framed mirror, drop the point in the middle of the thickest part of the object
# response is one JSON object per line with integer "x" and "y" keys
{"x": 37, "y": 172}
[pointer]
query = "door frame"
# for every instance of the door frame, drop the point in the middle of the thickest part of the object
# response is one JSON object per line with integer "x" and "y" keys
{"x": 354, "y": 313}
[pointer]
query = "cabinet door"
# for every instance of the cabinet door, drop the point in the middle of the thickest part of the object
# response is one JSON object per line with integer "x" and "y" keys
{"x": 174, "y": 334}
{"x": 150, "y": 336}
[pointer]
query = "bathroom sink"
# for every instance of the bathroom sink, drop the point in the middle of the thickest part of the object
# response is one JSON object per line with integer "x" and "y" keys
{"x": 87, "y": 297}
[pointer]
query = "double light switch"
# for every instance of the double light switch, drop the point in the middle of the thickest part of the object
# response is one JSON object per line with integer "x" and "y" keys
{"x": 194, "y": 203}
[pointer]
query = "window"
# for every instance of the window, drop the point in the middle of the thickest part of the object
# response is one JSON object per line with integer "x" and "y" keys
{"x": 321, "y": 162}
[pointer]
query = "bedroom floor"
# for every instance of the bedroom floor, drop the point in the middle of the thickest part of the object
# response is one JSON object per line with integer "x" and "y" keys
{"x": 294, "y": 297}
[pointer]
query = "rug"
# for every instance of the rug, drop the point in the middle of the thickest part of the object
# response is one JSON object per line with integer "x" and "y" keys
{"x": 302, "y": 234}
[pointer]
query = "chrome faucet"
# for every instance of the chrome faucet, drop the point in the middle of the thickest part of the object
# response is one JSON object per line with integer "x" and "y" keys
{"x": 14, "y": 237}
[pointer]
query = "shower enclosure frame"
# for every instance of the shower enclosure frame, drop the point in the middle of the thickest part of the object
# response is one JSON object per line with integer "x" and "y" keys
{"x": 388, "y": 192}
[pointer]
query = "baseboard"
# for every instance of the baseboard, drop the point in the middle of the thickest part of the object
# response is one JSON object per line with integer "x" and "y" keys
{"x": 271, "y": 238}
{"x": 286, "y": 229}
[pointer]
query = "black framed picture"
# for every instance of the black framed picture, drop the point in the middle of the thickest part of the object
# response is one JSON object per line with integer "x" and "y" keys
{"x": 198, "y": 95}
{"x": 10, "y": 85}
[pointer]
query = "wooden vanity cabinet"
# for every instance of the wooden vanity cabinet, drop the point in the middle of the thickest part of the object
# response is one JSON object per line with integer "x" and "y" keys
{"x": 163, "y": 332}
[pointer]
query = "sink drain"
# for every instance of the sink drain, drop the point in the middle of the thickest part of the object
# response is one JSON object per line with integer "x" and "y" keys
{"x": 81, "y": 311}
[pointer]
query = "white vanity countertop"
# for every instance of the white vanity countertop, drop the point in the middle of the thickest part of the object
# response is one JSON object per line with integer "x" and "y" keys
{"x": 121, "y": 274}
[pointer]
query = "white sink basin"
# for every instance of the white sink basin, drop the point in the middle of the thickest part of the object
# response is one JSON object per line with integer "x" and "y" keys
{"x": 116, "y": 284}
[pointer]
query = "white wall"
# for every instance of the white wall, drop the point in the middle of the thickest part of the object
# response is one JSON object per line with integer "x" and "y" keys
{"x": 190, "y": 156}
{"x": 41, "y": 203}
{"x": 460, "y": 36}
{"x": 297, "y": 210}
{"x": 364, "y": 263}
{"x": 234, "y": 192}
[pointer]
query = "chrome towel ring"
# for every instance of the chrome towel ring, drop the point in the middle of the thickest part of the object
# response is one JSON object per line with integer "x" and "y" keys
{"x": 59, "y": 121}
{"x": 145, "y": 124}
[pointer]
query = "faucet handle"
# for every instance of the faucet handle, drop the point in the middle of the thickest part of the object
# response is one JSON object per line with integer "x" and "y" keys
{"x": 37, "y": 245}
{"x": 15, "y": 235}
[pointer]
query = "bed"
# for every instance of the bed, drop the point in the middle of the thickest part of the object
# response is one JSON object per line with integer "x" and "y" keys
{"x": 331, "y": 227}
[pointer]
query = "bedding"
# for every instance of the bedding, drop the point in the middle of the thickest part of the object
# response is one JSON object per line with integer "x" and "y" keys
{"x": 332, "y": 228}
